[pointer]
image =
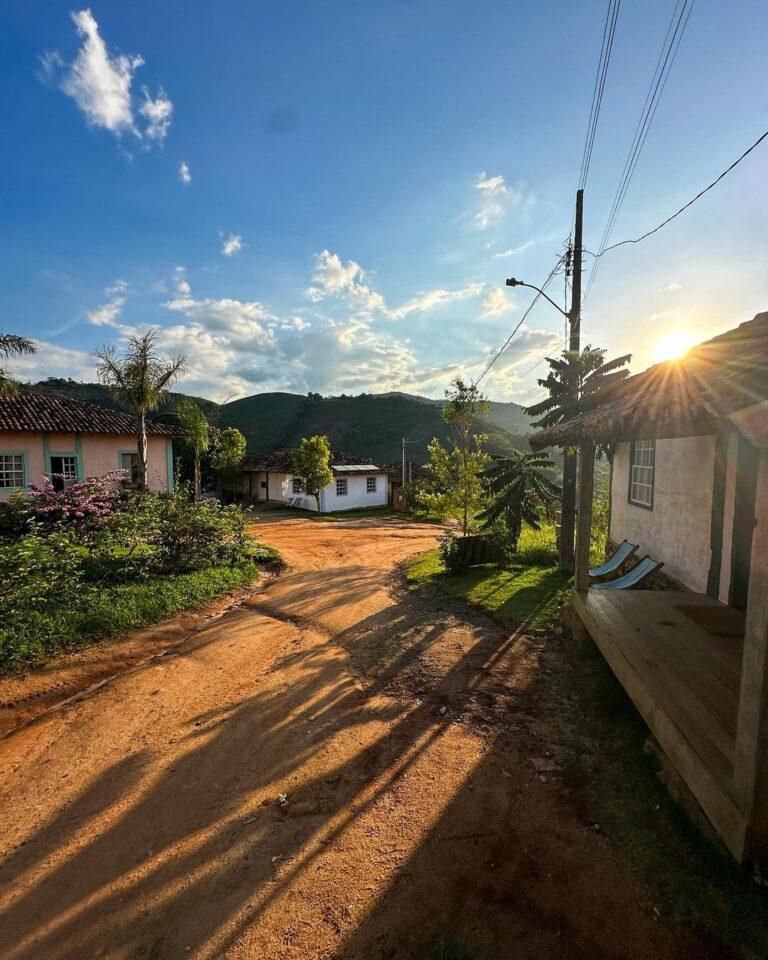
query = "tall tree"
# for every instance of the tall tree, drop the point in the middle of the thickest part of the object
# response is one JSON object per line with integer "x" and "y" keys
{"x": 228, "y": 451}
{"x": 12, "y": 345}
{"x": 139, "y": 380}
{"x": 312, "y": 464}
{"x": 518, "y": 488}
{"x": 198, "y": 432}
{"x": 574, "y": 384}
{"x": 457, "y": 470}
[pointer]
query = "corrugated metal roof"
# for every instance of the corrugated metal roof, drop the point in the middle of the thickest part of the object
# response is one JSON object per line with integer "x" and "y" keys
{"x": 47, "y": 413}
{"x": 356, "y": 468}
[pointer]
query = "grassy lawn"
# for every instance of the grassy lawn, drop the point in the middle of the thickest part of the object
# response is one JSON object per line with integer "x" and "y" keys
{"x": 31, "y": 636}
{"x": 332, "y": 517}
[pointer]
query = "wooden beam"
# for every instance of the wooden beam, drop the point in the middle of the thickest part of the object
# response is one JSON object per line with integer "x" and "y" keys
{"x": 718, "y": 513}
{"x": 751, "y": 766}
{"x": 584, "y": 530}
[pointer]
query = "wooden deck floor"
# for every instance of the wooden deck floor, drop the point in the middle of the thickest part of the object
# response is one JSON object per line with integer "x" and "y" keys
{"x": 685, "y": 683}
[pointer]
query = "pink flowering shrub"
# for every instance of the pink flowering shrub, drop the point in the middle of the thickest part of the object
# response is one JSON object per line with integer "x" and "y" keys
{"x": 83, "y": 506}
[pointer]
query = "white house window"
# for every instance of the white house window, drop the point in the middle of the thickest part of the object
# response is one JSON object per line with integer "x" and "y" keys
{"x": 11, "y": 470}
{"x": 63, "y": 471}
{"x": 296, "y": 485}
{"x": 641, "y": 472}
{"x": 341, "y": 486}
{"x": 370, "y": 484}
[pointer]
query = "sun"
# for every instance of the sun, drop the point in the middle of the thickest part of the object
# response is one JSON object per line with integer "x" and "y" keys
{"x": 673, "y": 346}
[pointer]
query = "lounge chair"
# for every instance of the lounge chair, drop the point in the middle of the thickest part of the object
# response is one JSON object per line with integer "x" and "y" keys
{"x": 633, "y": 578}
{"x": 291, "y": 501}
{"x": 613, "y": 564}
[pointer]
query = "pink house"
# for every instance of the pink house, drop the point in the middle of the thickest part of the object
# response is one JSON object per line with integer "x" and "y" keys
{"x": 68, "y": 440}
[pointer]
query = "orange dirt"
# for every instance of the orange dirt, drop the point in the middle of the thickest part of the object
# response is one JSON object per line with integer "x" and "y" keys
{"x": 144, "y": 820}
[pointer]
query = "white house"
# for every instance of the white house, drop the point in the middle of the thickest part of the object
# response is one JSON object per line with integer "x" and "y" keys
{"x": 356, "y": 484}
{"x": 689, "y": 486}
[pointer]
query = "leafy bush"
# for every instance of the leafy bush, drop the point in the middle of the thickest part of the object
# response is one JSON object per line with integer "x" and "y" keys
{"x": 37, "y": 569}
{"x": 448, "y": 551}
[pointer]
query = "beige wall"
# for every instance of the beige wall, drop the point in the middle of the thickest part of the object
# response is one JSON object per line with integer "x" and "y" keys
{"x": 677, "y": 530}
{"x": 729, "y": 508}
{"x": 99, "y": 454}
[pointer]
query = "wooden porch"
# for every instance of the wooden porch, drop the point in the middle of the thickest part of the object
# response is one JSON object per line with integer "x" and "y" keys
{"x": 684, "y": 680}
{"x": 699, "y": 681}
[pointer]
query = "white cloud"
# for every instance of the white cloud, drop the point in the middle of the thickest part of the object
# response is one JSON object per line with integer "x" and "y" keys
{"x": 496, "y": 302}
{"x": 332, "y": 275}
{"x": 184, "y": 175}
{"x": 673, "y": 287}
{"x": 513, "y": 251}
{"x": 158, "y": 113}
{"x": 100, "y": 84}
{"x": 423, "y": 302}
{"x": 495, "y": 198}
{"x": 107, "y": 314}
{"x": 52, "y": 360}
{"x": 232, "y": 245}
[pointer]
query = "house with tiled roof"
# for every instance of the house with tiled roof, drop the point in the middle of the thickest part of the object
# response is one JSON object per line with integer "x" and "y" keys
{"x": 689, "y": 489}
{"x": 356, "y": 483}
{"x": 68, "y": 440}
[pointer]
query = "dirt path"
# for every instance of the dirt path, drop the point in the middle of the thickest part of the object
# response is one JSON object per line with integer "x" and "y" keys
{"x": 144, "y": 821}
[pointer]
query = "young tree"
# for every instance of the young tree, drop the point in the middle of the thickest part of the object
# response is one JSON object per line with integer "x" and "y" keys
{"x": 457, "y": 471}
{"x": 311, "y": 463}
{"x": 139, "y": 380}
{"x": 12, "y": 345}
{"x": 574, "y": 384}
{"x": 518, "y": 490}
{"x": 197, "y": 429}
{"x": 228, "y": 452}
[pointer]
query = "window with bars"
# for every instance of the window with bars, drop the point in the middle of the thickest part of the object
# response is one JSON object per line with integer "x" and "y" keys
{"x": 341, "y": 486}
{"x": 641, "y": 473}
{"x": 370, "y": 484}
{"x": 11, "y": 470}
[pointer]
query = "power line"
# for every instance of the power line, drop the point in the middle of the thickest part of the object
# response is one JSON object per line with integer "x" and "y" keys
{"x": 533, "y": 303}
{"x": 609, "y": 29}
{"x": 667, "y": 55}
{"x": 694, "y": 199}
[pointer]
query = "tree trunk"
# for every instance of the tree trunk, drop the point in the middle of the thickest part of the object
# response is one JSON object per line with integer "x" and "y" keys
{"x": 568, "y": 512}
{"x": 142, "y": 451}
{"x": 317, "y": 497}
{"x": 198, "y": 482}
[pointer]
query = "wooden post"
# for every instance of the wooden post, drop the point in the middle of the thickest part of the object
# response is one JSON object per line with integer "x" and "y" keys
{"x": 584, "y": 530}
{"x": 751, "y": 763}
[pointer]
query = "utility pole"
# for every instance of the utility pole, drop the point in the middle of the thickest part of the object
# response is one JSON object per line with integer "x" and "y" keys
{"x": 405, "y": 440}
{"x": 568, "y": 513}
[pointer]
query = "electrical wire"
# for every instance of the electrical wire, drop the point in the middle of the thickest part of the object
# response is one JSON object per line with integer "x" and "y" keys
{"x": 609, "y": 29}
{"x": 532, "y": 304}
{"x": 694, "y": 199}
{"x": 675, "y": 31}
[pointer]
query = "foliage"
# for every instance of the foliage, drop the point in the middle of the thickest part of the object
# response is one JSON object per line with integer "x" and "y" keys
{"x": 81, "y": 507}
{"x": 311, "y": 462}
{"x": 139, "y": 380}
{"x": 37, "y": 569}
{"x": 228, "y": 450}
{"x": 197, "y": 433}
{"x": 457, "y": 490}
{"x": 448, "y": 551}
{"x": 12, "y": 345}
{"x": 518, "y": 489}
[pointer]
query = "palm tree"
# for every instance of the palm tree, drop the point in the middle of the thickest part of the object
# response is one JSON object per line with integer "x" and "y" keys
{"x": 12, "y": 345}
{"x": 198, "y": 430}
{"x": 574, "y": 384}
{"x": 139, "y": 379}
{"x": 518, "y": 488}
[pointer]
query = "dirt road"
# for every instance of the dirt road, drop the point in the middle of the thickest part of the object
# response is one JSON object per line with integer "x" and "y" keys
{"x": 146, "y": 821}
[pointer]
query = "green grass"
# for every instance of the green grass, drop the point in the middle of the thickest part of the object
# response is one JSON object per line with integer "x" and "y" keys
{"x": 520, "y": 594}
{"x": 332, "y": 517}
{"x": 31, "y": 636}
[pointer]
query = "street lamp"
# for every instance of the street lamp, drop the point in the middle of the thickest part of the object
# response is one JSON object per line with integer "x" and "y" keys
{"x": 513, "y": 282}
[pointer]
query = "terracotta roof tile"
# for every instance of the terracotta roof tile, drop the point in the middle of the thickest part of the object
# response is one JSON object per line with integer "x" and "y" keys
{"x": 44, "y": 413}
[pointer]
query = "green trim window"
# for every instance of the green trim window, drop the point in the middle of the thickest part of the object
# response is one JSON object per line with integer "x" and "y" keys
{"x": 63, "y": 471}
{"x": 128, "y": 460}
{"x": 12, "y": 471}
{"x": 642, "y": 470}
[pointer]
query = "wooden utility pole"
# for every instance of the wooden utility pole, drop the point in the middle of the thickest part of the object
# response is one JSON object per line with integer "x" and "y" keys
{"x": 568, "y": 515}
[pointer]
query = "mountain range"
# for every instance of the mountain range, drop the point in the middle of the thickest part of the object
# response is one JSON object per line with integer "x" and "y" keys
{"x": 368, "y": 425}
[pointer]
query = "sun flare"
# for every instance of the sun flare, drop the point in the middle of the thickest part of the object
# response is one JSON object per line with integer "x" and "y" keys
{"x": 673, "y": 346}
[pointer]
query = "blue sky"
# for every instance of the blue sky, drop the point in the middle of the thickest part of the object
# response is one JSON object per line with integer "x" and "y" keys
{"x": 359, "y": 178}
